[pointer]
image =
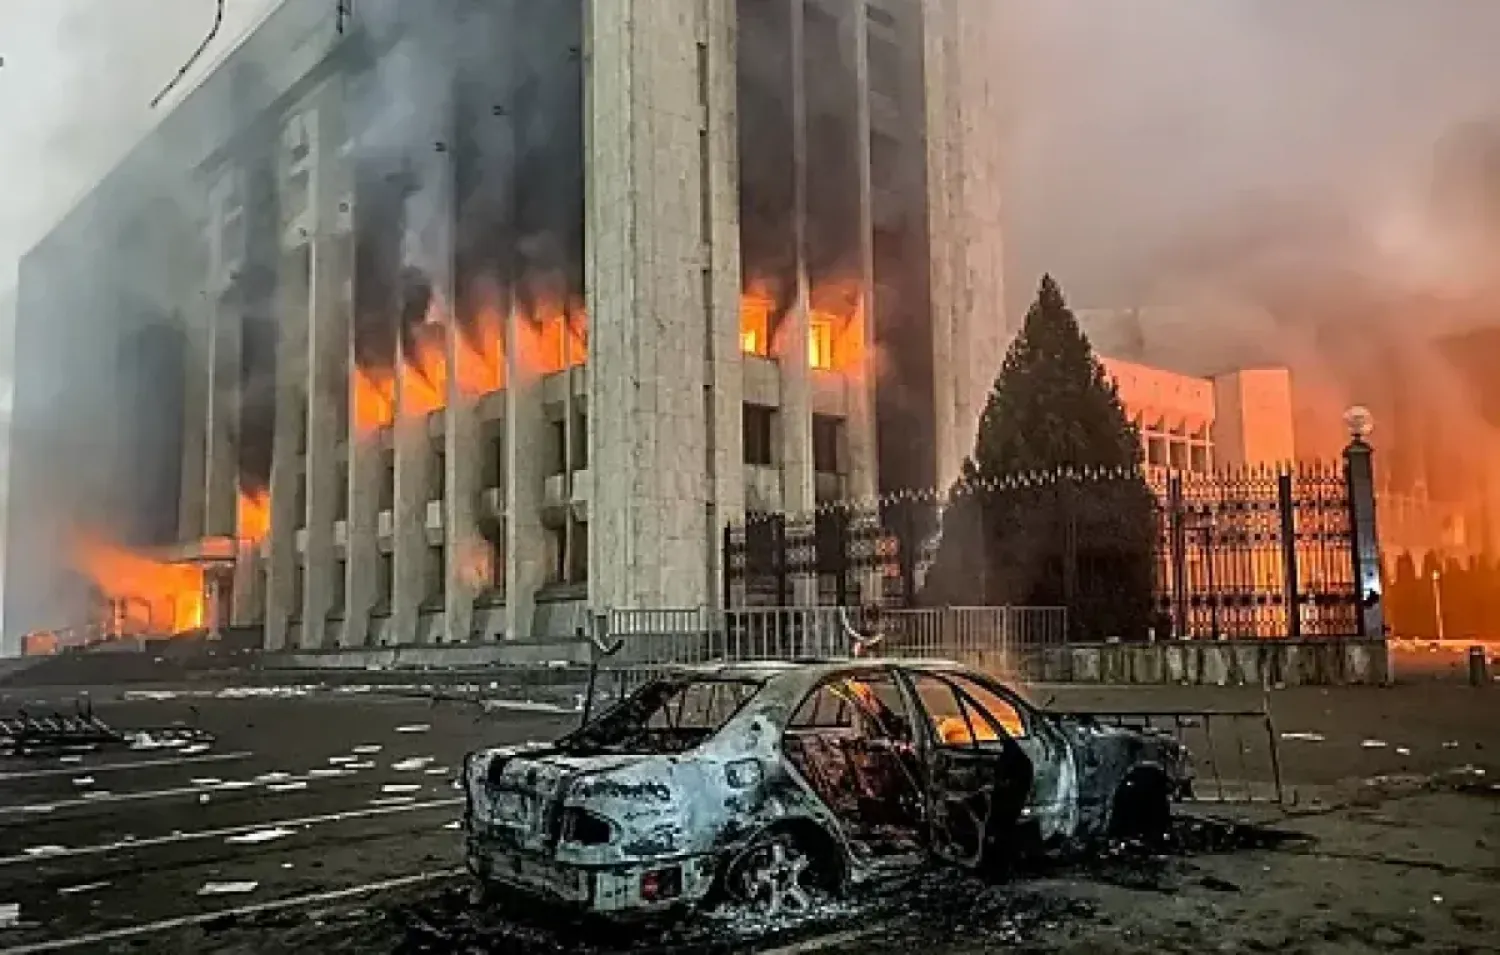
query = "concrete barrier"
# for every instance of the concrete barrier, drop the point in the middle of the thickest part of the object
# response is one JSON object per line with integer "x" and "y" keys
{"x": 1328, "y": 662}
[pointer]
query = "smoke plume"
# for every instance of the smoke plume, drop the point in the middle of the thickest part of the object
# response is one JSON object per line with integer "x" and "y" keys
{"x": 1316, "y": 183}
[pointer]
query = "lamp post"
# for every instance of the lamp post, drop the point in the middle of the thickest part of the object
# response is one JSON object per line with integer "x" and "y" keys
{"x": 1437, "y": 602}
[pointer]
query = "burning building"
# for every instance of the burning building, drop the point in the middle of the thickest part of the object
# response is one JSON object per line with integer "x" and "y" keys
{"x": 446, "y": 327}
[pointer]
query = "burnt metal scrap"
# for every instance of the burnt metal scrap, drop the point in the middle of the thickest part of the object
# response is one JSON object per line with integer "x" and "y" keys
{"x": 772, "y": 785}
{"x": 31, "y": 733}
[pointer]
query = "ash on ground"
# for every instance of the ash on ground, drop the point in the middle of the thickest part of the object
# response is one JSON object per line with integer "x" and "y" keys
{"x": 1017, "y": 908}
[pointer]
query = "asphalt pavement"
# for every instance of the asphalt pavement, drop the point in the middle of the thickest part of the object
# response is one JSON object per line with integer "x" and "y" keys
{"x": 325, "y": 821}
{"x": 295, "y": 798}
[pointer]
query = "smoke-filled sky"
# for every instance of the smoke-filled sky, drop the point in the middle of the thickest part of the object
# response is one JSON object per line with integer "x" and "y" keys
{"x": 1139, "y": 124}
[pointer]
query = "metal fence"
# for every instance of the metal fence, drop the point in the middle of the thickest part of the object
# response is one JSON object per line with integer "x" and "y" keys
{"x": 635, "y": 645}
{"x": 1236, "y": 553}
{"x": 1235, "y": 754}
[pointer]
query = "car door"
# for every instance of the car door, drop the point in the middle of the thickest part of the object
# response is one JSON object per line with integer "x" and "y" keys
{"x": 1053, "y": 801}
{"x": 977, "y": 778}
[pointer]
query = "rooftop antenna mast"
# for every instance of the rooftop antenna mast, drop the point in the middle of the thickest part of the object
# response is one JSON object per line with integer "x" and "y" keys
{"x": 344, "y": 12}
{"x": 213, "y": 33}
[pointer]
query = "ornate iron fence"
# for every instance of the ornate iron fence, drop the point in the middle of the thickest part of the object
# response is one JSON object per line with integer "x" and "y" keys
{"x": 1237, "y": 553}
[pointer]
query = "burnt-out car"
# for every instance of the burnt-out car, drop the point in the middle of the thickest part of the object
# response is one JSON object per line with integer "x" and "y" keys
{"x": 763, "y": 784}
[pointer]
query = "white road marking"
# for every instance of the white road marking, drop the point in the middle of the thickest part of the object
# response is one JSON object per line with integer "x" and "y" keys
{"x": 94, "y": 798}
{"x": 226, "y": 831}
{"x": 202, "y": 918}
{"x": 122, "y": 767}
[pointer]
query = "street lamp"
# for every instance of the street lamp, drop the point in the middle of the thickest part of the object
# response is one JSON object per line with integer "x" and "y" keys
{"x": 1437, "y": 601}
{"x": 1360, "y": 422}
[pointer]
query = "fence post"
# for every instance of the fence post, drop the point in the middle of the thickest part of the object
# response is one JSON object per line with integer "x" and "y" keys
{"x": 726, "y": 569}
{"x": 781, "y": 560}
{"x": 1177, "y": 551}
{"x": 1359, "y": 474}
{"x": 1287, "y": 506}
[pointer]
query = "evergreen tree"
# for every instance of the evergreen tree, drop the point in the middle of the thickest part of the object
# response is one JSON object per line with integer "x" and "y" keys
{"x": 1051, "y": 508}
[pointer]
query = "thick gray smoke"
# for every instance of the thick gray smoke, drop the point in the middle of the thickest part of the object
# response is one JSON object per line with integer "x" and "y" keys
{"x": 1307, "y": 177}
{"x": 474, "y": 114}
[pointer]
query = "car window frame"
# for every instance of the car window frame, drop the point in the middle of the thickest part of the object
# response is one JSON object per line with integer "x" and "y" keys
{"x": 966, "y": 703}
{"x": 886, "y": 673}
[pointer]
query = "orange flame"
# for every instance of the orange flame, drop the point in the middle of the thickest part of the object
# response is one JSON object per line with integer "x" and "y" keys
{"x": 561, "y": 336}
{"x": 373, "y": 400}
{"x": 254, "y": 515}
{"x": 152, "y": 596}
{"x": 424, "y": 372}
{"x": 835, "y": 326}
{"x": 756, "y": 305}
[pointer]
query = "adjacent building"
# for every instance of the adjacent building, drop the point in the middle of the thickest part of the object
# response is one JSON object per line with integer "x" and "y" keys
{"x": 447, "y": 326}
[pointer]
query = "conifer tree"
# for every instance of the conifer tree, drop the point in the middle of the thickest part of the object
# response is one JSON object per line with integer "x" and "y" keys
{"x": 1051, "y": 508}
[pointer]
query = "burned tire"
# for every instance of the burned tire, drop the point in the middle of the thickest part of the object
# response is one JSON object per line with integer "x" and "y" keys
{"x": 1142, "y": 809}
{"x": 782, "y": 872}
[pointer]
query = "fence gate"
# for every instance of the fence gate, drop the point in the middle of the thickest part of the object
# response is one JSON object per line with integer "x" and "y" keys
{"x": 1236, "y": 553}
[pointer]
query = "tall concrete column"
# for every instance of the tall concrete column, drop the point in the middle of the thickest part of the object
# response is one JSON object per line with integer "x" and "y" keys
{"x": 651, "y": 307}
{"x": 525, "y": 473}
{"x": 723, "y": 392}
{"x": 466, "y": 552}
{"x": 798, "y": 495}
{"x": 429, "y": 247}
{"x": 362, "y": 552}
{"x": 965, "y": 102}
{"x": 221, "y": 480}
{"x": 331, "y": 288}
{"x": 191, "y": 518}
{"x": 860, "y": 381}
{"x": 291, "y": 418}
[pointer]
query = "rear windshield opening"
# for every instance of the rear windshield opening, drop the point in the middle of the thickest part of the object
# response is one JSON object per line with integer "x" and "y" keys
{"x": 664, "y": 716}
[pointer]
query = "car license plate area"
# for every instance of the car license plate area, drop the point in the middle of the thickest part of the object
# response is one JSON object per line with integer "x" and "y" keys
{"x": 542, "y": 876}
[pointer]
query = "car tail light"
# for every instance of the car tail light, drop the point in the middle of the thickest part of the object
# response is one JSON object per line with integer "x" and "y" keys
{"x": 661, "y": 885}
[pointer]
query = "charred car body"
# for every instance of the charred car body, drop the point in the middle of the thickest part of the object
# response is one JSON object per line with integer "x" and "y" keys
{"x": 765, "y": 783}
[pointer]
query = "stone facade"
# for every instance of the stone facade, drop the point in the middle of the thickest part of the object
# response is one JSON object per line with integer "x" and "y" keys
{"x": 587, "y": 462}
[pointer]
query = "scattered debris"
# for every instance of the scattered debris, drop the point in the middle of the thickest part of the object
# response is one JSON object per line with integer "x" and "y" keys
{"x": 1374, "y": 744}
{"x": 259, "y": 836}
{"x": 85, "y": 887}
{"x": 414, "y": 728}
{"x": 329, "y": 773}
{"x": 272, "y": 777}
{"x": 1402, "y": 751}
{"x": 341, "y": 760}
{"x": 393, "y": 788}
{"x": 1304, "y": 737}
{"x": 412, "y": 765}
{"x": 287, "y": 787}
{"x": 10, "y": 914}
{"x": 46, "y": 850}
{"x": 1451, "y": 744}
{"x": 84, "y": 781}
{"x": 362, "y": 765}
{"x": 367, "y": 749}
{"x": 228, "y": 888}
{"x": 203, "y": 799}
{"x": 438, "y": 771}
{"x": 207, "y": 781}
{"x": 392, "y": 800}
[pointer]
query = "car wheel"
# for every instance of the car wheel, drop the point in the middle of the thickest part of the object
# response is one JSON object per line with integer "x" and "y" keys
{"x": 772, "y": 876}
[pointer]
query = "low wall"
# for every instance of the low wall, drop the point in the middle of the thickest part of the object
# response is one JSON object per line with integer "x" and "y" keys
{"x": 421, "y": 657}
{"x": 1214, "y": 663}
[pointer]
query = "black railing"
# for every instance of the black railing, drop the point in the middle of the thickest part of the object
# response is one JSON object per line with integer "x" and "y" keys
{"x": 1236, "y": 553}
